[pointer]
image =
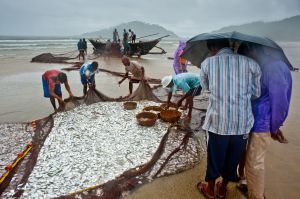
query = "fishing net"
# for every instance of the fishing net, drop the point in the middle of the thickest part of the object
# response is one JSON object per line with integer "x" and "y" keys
{"x": 59, "y": 58}
{"x": 51, "y": 58}
{"x": 77, "y": 65}
{"x": 19, "y": 175}
{"x": 180, "y": 148}
{"x": 143, "y": 92}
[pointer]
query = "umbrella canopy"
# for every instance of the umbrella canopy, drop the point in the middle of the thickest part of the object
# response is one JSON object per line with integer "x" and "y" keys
{"x": 196, "y": 48}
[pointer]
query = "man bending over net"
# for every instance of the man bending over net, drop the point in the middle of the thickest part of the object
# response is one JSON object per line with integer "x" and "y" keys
{"x": 52, "y": 88}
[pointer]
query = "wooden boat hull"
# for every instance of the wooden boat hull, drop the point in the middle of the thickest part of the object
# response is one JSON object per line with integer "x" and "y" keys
{"x": 139, "y": 48}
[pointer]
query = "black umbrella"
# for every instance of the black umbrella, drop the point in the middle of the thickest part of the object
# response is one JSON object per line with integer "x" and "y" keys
{"x": 196, "y": 49}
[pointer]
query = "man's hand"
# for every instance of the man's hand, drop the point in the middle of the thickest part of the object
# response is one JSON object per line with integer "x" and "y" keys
{"x": 92, "y": 86}
{"x": 279, "y": 137}
{"x": 71, "y": 96}
{"x": 61, "y": 101}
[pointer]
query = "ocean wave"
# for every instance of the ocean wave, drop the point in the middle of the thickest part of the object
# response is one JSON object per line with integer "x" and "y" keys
{"x": 38, "y": 41}
{"x": 32, "y": 45}
{"x": 24, "y": 43}
{"x": 34, "y": 48}
{"x": 36, "y": 45}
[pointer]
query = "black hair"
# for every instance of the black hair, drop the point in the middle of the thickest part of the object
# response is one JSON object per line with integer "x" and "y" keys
{"x": 246, "y": 47}
{"x": 62, "y": 77}
{"x": 217, "y": 43}
{"x": 94, "y": 65}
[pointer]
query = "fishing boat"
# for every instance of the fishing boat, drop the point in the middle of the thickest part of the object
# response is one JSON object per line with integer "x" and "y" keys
{"x": 139, "y": 48}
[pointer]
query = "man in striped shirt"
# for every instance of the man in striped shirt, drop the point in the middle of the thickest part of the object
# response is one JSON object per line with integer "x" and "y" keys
{"x": 233, "y": 80}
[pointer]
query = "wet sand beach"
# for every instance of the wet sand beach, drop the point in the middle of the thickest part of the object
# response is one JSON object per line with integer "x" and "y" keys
{"x": 22, "y": 100}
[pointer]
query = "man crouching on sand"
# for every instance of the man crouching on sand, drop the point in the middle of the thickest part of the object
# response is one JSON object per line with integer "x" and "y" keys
{"x": 189, "y": 83}
{"x": 51, "y": 85}
{"x": 137, "y": 71}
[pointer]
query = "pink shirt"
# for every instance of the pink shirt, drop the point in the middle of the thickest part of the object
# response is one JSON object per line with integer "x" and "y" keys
{"x": 50, "y": 76}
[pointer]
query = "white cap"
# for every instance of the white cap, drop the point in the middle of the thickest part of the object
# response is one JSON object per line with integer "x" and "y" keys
{"x": 166, "y": 81}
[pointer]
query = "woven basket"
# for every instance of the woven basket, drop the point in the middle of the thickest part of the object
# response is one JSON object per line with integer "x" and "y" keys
{"x": 146, "y": 118}
{"x": 153, "y": 108}
{"x": 130, "y": 105}
{"x": 172, "y": 106}
{"x": 170, "y": 115}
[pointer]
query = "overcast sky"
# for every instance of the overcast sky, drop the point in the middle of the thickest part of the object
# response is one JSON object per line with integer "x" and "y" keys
{"x": 184, "y": 17}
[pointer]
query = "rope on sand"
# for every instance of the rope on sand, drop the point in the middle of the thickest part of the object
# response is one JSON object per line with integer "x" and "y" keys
{"x": 9, "y": 167}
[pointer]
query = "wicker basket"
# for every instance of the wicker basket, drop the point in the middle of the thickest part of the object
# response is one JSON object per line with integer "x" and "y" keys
{"x": 172, "y": 106}
{"x": 146, "y": 118}
{"x": 153, "y": 109}
{"x": 170, "y": 115}
{"x": 130, "y": 105}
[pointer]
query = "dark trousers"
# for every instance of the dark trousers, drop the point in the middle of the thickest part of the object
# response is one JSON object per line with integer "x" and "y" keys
{"x": 223, "y": 155}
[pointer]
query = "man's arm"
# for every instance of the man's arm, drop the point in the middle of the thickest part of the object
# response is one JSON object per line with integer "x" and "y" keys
{"x": 185, "y": 96}
{"x": 67, "y": 86}
{"x": 143, "y": 72}
{"x": 204, "y": 76}
{"x": 91, "y": 82}
{"x": 53, "y": 94}
{"x": 169, "y": 99}
{"x": 256, "y": 75}
{"x": 123, "y": 79}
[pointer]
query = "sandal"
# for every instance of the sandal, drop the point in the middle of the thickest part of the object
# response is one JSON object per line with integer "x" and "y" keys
{"x": 201, "y": 186}
{"x": 242, "y": 186}
{"x": 218, "y": 187}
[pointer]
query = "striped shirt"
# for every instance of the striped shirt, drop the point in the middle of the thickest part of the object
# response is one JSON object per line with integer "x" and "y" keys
{"x": 233, "y": 80}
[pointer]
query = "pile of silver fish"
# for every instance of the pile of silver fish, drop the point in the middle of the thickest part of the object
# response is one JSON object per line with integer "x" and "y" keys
{"x": 14, "y": 139}
{"x": 91, "y": 145}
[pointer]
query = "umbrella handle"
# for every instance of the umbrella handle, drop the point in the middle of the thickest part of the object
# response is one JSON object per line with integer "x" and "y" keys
{"x": 232, "y": 47}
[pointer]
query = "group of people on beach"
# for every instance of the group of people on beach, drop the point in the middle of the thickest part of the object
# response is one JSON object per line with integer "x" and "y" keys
{"x": 125, "y": 47}
{"x": 126, "y": 36}
{"x": 52, "y": 79}
{"x": 249, "y": 98}
{"x": 82, "y": 48}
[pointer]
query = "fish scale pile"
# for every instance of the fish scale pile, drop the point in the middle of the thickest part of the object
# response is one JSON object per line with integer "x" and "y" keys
{"x": 91, "y": 145}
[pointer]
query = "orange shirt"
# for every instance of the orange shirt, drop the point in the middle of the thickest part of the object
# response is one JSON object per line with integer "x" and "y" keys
{"x": 181, "y": 59}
